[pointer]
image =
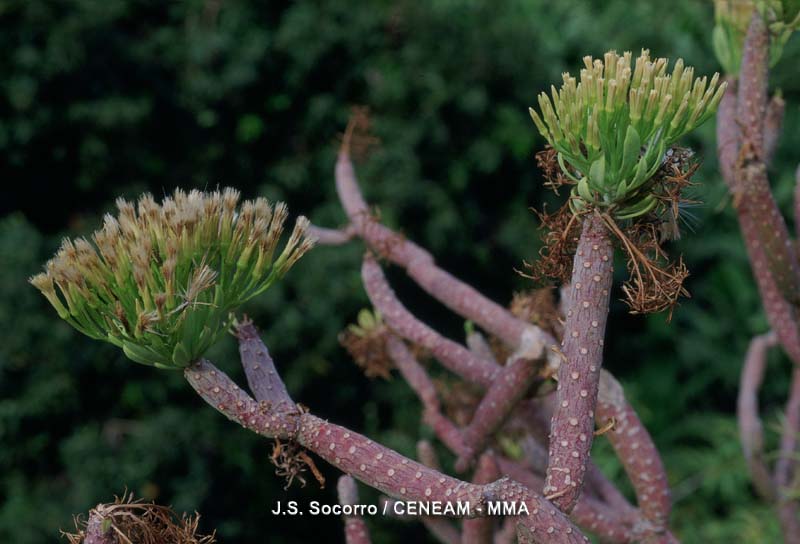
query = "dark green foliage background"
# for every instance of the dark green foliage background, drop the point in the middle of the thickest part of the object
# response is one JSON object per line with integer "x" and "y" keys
{"x": 101, "y": 99}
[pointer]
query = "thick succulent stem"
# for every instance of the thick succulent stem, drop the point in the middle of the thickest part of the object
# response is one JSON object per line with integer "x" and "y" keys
{"x": 506, "y": 385}
{"x": 419, "y": 264}
{"x": 510, "y": 385}
{"x": 797, "y": 201}
{"x": 536, "y": 419}
{"x": 750, "y": 429}
{"x": 780, "y": 313}
{"x": 589, "y": 513}
{"x": 572, "y": 424}
{"x": 480, "y": 530}
{"x": 262, "y": 376}
{"x": 528, "y": 340}
{"x": 355, "y": 529}
{"x": 478, "y": 345}
{"x": 611, "y": 522}
{"x": 638, "y": 455}
{"x": 751, "y": 104}
{"x": 751, "y": 169}
{"x": 728, "y": 136}
{"x": 754, "y": 126}
{"x": 787, "y": 476}
{"x": 773, "y": 122}
{"x": 331, "y": 237}
{"x": 442, "y": 529}
{"x": 452, "y": 355}
{"x": 418, "y": 379}
{"x": 372, "y": 463}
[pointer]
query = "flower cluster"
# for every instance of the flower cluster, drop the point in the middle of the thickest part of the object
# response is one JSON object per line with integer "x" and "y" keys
{"x": 611, "y": 128}
{"x": 160, "y": 281}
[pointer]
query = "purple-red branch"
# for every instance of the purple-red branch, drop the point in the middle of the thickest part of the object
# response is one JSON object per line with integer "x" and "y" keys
{"x": 747, "y": 132}
{"x": 589, "y": 513}
{"x": 751, "y": 168}
{"x": 638, "y": 454}
{"x": 481, "y": 530}
{"x": 611, "y": 522}
{"x": 419, "y": 264}
{"x": 262, "y": 376}
{"x": 510, "y": 385}
{"x": 750, "y": 430}
{"x": 355, "y": 529}
{"x": 773, "y": 122}
{"x": 452, "y": 355}
{"x": 421, "y": 384}
{"x": 331, "y": 237}
{"x": 572, "y": 424}
{"x": 780, "y": 313}
{"x": 372, "y": 463}
{"x": 786, "y": 476}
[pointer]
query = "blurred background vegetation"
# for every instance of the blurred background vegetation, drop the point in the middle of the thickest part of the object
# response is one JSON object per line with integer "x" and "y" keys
{"x": 112, "y": 98}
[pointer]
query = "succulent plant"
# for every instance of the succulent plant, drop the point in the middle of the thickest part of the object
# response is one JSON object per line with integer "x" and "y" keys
{"x": 612, "y": 127}
{"x": 160, "y": 280}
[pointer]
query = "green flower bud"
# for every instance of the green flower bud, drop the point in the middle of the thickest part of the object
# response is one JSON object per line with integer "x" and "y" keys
{"x": 612, "y": 128}
{"x": 161, "y": 281}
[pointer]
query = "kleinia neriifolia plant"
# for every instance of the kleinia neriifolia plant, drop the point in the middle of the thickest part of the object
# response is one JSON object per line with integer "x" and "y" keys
{"x": 161, "y": 280}
{"x": 611, "y": 132}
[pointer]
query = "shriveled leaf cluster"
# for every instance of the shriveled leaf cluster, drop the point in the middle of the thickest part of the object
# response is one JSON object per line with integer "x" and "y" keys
{"x": 130, "y": 521}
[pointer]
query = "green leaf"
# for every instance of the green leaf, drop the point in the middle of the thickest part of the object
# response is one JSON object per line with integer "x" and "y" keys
{"x": 181, "y": 356}
{"x": 597, "y": 173}
{"x": 622, "y": 188}
{"x": 641, "y": 173}
{"x": 631, "y": 148}
{"x": 584, "y": 191}
{"x": 140, "y": 354}
{"x": 564, "y": 168}
{"x": 638, "y": 209}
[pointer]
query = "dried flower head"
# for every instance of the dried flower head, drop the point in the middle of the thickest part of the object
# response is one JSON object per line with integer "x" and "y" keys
{"x": 365, "y": 340}
{"x": 160, "y": 281}
{"x": 540, "y": 307}
{"x": 612, "y": 128}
